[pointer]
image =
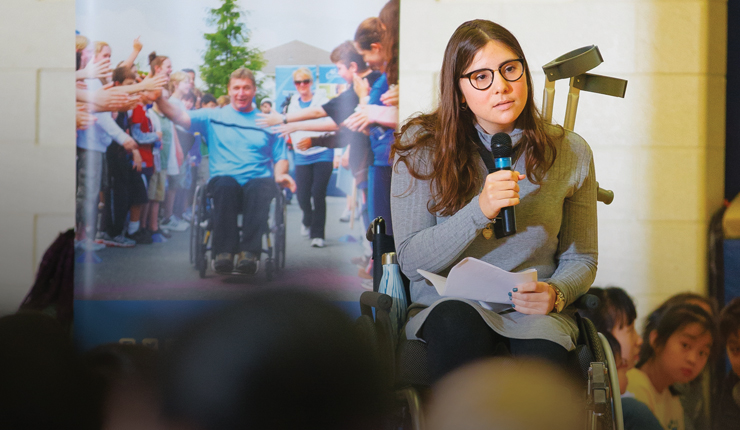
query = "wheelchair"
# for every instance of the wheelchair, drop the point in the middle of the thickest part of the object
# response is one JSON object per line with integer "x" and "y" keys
{"x": 404, "y": 361}
{"x": 202, "y": 229}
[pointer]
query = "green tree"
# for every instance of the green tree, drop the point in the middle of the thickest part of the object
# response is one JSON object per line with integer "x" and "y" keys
{"x": 227, "y": 48}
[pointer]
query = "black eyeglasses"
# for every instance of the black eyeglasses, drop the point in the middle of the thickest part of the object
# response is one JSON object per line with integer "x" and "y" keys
{"x": 482, "y": 79}
{"x": 304, "y": 82}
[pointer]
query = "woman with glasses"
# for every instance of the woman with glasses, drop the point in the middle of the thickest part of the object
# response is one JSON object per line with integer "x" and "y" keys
{"x": 313, "y": 166}
{"x": 444, "y": 202}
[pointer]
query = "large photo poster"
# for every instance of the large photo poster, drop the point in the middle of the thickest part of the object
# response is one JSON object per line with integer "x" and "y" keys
{"x": 225, "y": 146}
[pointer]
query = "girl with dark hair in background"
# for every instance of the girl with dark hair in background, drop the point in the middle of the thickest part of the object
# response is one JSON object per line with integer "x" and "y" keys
{"x": 444, "y": 202}
{"x": 616, "y": 315}
{"x": 678, "y": 343}
{"x": 727, "y": 406}
{"x": 692, "y": 394}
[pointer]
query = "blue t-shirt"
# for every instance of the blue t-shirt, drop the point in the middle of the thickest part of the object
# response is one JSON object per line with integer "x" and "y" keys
{"x": 237, "y": 147}
{"x": 381, "y": 138}
{"x": 323, "y": 156}
{"x": 637, "y": 415}
{"x": 380, "y": 87}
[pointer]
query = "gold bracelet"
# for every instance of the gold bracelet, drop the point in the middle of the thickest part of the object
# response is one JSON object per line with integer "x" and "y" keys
{"x": 559, "y": 299}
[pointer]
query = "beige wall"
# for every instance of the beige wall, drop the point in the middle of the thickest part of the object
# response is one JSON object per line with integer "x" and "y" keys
{"x": 37, "y": 155}
{"x": 660, "y": 149}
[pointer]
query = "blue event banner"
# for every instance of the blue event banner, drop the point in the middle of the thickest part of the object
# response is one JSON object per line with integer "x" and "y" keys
{"x": 153, "y": 323}
{"x": 329, "y": 75}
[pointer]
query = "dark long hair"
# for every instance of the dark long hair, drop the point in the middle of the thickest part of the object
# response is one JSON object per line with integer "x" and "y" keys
{"x": 448, "y": 132}
{"x": 667, "y": 320}
{"x": 368, "y": 32}
{"x": 616, "y": 309}
{"x": 688, "y": 297}
{"x": 389, "y": 17}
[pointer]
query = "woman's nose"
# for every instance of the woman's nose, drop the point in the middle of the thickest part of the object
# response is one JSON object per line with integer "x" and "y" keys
{"x": 500, "y": 85}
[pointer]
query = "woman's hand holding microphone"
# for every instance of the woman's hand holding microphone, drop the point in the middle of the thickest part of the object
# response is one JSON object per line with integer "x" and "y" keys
{"x": 502, "y": 190}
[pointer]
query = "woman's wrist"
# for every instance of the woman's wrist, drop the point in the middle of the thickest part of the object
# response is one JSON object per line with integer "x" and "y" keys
{"x": 487, "y": 212}
{"x": 557, "y": 299}
{"x": 484, "y": 211}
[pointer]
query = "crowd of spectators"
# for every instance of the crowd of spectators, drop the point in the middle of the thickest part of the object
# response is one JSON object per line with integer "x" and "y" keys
{"x": 668, "y": 373}
{"x": 288, "y": 359}
{"x": 136, "y": 171}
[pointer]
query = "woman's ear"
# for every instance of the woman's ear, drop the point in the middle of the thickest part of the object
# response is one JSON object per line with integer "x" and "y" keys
{"x": 375, "y": 47}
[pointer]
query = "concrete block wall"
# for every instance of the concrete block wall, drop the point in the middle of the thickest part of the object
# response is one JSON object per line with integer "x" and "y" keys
{"x": 661, "y": 149}
{"x": 37, "y": 137}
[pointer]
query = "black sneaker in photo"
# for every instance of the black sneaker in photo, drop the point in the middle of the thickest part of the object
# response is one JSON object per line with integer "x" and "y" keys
{"x": 223, "y": 263}
{"x": 142, "y": 236}
{"x": 248, "y": 263}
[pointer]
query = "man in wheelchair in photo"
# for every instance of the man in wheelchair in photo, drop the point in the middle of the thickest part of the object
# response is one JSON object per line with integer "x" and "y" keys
{"x": 245, "y": 162}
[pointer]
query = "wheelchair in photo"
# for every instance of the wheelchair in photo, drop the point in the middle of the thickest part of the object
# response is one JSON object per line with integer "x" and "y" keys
{"x": 202, "y": 229}
{"x": 405, "y": 360}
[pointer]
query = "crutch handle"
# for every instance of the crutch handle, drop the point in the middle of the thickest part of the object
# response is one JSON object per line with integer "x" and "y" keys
{"x": 573, "y": 63}
{"x": 605, "y": 85}
{"x": 604, "y": 196}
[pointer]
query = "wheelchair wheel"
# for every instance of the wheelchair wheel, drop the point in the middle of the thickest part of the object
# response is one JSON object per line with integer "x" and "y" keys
{"x": 280, "y": 215}
{"x": 201, "y": 228}
{"x": 193, "y": 227}
{"x": 601, "y": 406}
{"x": 279, "y": 249}
{"x": 269, "y": 268}
{"x": 283, "y": 246}
{"x": 201, "y": 262}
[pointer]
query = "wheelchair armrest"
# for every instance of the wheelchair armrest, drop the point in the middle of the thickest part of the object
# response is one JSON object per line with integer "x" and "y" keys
{"x": 587, "y": 302}
{"x": 372, "y": 299}
{"x": 387, "y": 339}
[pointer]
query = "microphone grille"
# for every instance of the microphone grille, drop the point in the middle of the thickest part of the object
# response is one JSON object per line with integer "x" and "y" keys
{"x": 501, "y": 145}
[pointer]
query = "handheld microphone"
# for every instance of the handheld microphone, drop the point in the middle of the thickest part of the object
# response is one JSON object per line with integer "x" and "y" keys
{"x": 502, "y": 151}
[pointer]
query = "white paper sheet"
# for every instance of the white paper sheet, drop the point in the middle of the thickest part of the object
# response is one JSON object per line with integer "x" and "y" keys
{"x": 477, "y": 280}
